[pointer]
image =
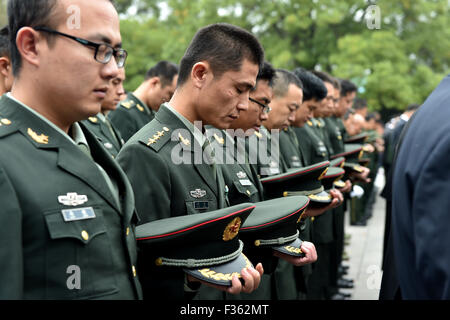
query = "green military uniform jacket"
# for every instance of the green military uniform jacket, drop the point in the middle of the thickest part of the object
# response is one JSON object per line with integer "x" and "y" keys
{"x": 111, "y": 140}
{"x": 270, "y": 161}
{"x": 58, "y": 214}
{"x": 168, "y": 180}
{"x": 290, "y": 149}
{"x": 130, "y": 116}
{"x": 315, "y": 151}
{"x": 264, "y": 153}
{"x": 335, "y": 135}
{"x": 243, "y": 185}
{"x": 311, "y": 146}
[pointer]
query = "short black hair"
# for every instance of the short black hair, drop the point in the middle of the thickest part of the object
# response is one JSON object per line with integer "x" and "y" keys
{"x": 4, "y": 42}
{"x": 31, "y": 13}
{"x": 283, "y": 79}
{"x": 313, "y": 87}
{"x": 359, "y": 104}
{"x": 347, "y": 87}
{"x": 325, "y": 77}
{"x": 372, "y": 115}
{"x": 164, "y": 70}
{"x": 266, "y": 72}
{"x": 224, "y": 46}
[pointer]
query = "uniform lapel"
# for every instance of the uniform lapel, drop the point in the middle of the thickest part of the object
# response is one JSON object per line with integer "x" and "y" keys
{"x": 70, "y": 158}
{"x": 203, "y": 169}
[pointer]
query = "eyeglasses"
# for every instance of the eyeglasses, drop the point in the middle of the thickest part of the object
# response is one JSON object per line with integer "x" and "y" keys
{"x": 103, "y": 51}
{"x": 265, "y": 107}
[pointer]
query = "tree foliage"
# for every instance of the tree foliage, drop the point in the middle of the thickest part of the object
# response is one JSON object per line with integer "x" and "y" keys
{"x": 397, "y": 64}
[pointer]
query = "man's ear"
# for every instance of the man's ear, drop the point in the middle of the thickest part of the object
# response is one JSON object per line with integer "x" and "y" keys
{"x": 200, "y": 72}
{"x": 153, "y": 82}
{"x": 5, "y": 66}
{"x": 27, "y": 42}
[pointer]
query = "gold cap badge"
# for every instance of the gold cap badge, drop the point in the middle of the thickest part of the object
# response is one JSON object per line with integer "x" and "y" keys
{"x": 232, "y": 229}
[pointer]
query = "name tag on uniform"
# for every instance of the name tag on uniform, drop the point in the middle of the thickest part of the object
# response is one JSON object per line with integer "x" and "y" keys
{"x": 246, "y": 182}
{"x": 274, "y": 170}
{"x": 78, "y": 214}
{"x": 201, "y": 205}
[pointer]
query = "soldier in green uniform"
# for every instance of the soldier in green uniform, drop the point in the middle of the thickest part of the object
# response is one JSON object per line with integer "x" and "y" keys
{"x": 6, "y": 76}
{"x": 238, "y": 175}
{"x": 140, "y": 106}
{"x": 333, "y": 139}
{"x": 288, "y": 95}
{"x": 100, "y": 125}
{"x": 169, "y": 162}
{"x": 311, "y": 139}
{"x": 67, "y": 207}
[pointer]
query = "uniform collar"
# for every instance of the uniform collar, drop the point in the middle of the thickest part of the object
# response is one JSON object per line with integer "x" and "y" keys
{"x": 198, "y": 135}
{"x": 75, "y": 129}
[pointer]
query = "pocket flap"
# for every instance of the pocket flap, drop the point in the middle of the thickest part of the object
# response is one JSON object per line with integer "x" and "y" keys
{"x": 83, "y": 230}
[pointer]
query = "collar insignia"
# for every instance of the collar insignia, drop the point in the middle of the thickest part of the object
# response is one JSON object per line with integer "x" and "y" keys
{"x": 42, "y": 139}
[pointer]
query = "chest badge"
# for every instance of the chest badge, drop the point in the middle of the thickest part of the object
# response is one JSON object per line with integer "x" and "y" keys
{"x": 198, "y": 193}
{"x": 72, "y": 199}
{"x": 241, "y": 175}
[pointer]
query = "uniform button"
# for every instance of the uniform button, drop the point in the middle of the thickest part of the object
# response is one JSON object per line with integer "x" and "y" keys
{"x": 85, "y": 235}
{"x": 128, "y": 231}
{"x": 248, "y": 192}
{"x": 133, "y": 268}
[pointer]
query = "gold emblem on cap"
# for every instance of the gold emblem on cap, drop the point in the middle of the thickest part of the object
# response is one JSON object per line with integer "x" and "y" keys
{"x": 319, "y": 198}
{"x": 293, "y": 249}
{"x": 361, "y": 154}
{"x": 93, "y": 119}
{"x": 42, "y": 139}
{"x": 6, "y": 122}
{"x": 232, "y": 229}
{"x": 323, "y": 174}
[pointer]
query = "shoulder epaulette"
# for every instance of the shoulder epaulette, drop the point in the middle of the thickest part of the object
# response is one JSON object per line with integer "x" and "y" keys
{"x": 127, "y": 104}
{"x": 158, "y": 135}
{"x": 6, "y": 127}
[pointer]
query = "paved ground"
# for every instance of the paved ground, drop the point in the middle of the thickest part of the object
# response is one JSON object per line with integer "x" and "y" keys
{"x": 365, "y": 251}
